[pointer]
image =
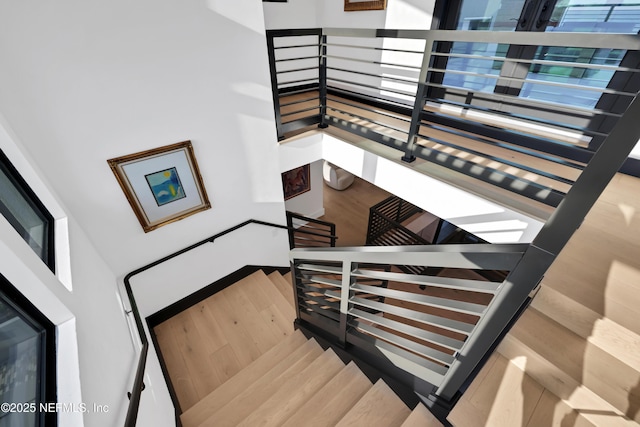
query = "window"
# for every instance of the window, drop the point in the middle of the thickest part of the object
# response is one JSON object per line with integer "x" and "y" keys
{"x": 26, "y": 214}
{"x": 27, "y": 361}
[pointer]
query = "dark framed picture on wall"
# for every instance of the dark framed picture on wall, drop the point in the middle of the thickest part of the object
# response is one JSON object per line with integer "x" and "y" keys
{"x": 355, "y": 5}
{"x": 162, "y": 185}
{"x": 296, "y": 181}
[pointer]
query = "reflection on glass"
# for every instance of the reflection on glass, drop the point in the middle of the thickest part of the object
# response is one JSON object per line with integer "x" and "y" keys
{"x": 472, "y": 62}
{"x": 20, "y": 353}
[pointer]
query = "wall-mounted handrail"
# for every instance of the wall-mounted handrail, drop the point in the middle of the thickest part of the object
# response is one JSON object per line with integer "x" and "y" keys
{"x": 138, "y": 384}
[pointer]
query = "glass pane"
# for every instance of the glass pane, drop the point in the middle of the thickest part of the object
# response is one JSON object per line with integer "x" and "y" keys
{"x": 485, "y": 61}
{"x": 578, "y": 77}
{"x": 596, "y": 16}
{"x": 20, "y": 357}
{"x": 494, "y": 15}
{"x": 20, "y": 209}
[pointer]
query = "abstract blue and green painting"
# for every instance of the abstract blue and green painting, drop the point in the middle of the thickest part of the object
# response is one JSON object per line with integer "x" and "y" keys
{"x": 165, "y": 186}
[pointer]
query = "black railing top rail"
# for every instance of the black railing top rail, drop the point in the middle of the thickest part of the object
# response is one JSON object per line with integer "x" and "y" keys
{"x": 138, "y": 384}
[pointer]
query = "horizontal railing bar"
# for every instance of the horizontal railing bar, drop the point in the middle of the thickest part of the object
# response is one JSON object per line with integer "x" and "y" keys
{"x": 444, "y": 303}
{"x": 527, "y": 118}
{"x": 428, "y": 353}
{"x": 372, "y": 110}
{"x": 295, "y": 70}
{"x": 428, "y": 319}
{"x": 288, "y": 82}
{"x": 371, "y": 62}
{"x": 367, "y": 119}
{"x": 315, "y": 98}
{"x": 499, "y": 160}
{"x": 320, "y": 268}
{"x": 547, "y": 39}
{"x": 294, "y": 32}
{"x": 479, "y": 256}
{"x": 383, "y": 77}
{"x": 533, "y": 81}
{"x": 300, "y": 58}
{"x": 321, "y": 301}
{"x": 296, "y": 92}
{"x": 394, "y": 105}
{"x": 510, "y": 99}
{"x": 431, "y": 337}
{"x": 383, "y": 49}
{"x": 314, "y": 45}
{"x": 309, "y": 287}
{"x": 602, "y": 67}
{"x": 375, "y": 33}
{"x": 410, "y": 362}
{"x": 399, "y": 92}
{"x": 434, "y": 281}
{"x": 324, "y": 281}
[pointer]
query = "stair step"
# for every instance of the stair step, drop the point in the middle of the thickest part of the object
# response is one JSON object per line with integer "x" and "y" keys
{"x": 583, "y": 360}
{"x": 379, "y": 407}
{"x": 576, "y": 397}
{"x": 421, "y": 417}
{"x": 334, "y": 400}
{"x": 501, "y": 396}
{"x": 297, "y": 390}
{"x": 285, "y": 288}
{"x": 236, "y": 384}
{"x": 259, "y": 391}
{"x": 259, "y": 290}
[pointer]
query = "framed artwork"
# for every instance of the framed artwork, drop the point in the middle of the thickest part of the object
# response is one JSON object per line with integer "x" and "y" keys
{"x": 354, "y": 5}
{"x": 162, "y": 185}
{"x": 296, "y": 181}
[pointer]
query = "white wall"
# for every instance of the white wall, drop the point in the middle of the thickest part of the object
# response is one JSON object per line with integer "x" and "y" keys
{"x": 94, "y": 349}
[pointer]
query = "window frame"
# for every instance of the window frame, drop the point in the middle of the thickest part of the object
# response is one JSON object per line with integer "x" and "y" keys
{"x": 34, "y": 202}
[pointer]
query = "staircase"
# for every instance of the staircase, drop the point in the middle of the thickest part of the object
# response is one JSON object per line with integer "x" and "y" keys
{"x": 285, "y": 379}
{"x": 573, "y": 358}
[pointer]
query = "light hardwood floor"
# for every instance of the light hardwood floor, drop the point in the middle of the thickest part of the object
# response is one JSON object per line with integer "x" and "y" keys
{"x": 349, "y": 210}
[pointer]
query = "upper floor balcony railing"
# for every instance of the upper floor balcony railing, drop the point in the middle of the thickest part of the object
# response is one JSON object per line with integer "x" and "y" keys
{"x": 528, "y": 124}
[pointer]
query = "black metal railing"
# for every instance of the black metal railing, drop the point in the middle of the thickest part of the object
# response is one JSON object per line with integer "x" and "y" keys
{"x": 306, "y": 232}
{"x": 385, "y": 223}
{"x": 138, "y": 384}
{"x": 444, "y": 96}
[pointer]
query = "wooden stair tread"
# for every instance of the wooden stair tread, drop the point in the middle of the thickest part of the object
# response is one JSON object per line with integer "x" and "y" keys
{"x": 285, "y": 287}
{"x": 379, "y": 407}
{"x": 297, "y": 390}
{"x": 259, "y": 391}
{"x": 259, "y": 289}
{"x": 333, "y": 400}
{"x": 252, "y": 373}
{"x": 575, "y": 396}
{"x": 608, "y": 335}
{"x": 421, "y": 417}
{"x": 587, "y": 363}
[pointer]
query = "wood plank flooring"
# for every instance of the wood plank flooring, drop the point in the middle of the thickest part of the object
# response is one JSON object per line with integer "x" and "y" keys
{"x": 210, "y": 342}
{"x": 349, "y": 210}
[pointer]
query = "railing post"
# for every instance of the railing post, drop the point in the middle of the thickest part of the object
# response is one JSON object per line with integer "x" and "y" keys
{"x": 322, "y": 78}
{"x": 419, "y": 101}
{"x": 271, "y": 51}
{"x": 345, "y": 294}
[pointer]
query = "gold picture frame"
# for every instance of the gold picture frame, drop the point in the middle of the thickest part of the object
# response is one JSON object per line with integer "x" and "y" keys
{"x": 162, "y": 185}
{"x": 352, "y": 5}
